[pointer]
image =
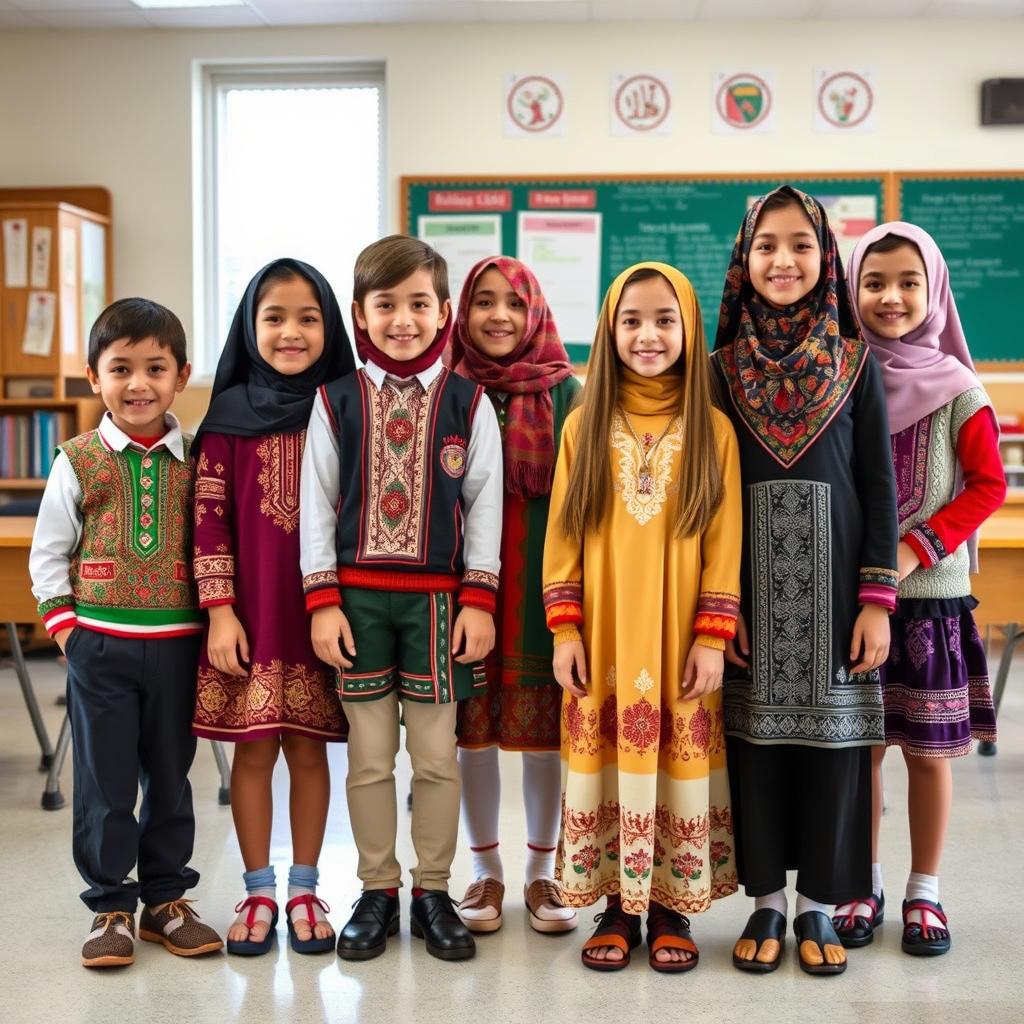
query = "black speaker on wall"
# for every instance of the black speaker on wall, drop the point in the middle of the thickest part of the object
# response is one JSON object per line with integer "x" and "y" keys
{"x": 1002, "y": 101}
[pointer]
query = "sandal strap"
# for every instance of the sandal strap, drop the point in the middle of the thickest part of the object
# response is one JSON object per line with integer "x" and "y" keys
{"x": 253, "y": 903}
{"x": 668, "y": 929}
{"x": 614, "y": 924}
{"x": 310, "y": 901}
{"x": 667, "y": 941}
{"x": 926, "y": 906}
{"x": 844, "y": 916}
{"x": 601, "y": 940}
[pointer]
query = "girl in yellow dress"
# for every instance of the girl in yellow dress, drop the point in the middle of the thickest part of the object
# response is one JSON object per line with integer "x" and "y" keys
{"x": 641, "y": 584}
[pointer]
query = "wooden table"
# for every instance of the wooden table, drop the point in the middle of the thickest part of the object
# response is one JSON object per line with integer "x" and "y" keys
{"x": 18, "y": 605}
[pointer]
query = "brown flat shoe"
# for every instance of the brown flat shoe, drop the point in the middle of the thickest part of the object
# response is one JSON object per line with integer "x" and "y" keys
{"x": 111, "y": 943}
{"x": 546, "y": 892}
{"x": 176, "y": 926}
{"x": 485, "y": 894}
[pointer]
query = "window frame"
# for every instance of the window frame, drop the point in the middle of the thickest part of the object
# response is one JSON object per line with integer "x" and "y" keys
{"x": 211, "y": 79}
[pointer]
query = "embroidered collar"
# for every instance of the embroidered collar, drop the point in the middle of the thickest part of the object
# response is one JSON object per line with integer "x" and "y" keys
{"x": 117, "y": 440}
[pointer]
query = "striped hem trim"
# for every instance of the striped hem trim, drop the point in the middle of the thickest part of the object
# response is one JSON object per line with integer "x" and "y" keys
{"x": 59, "y": 618}
{"x": 404, "y": 582}
{"x": 920, "y": 544}
{"x": 477, "y": 597}
{"x": 125, "y": 629}
{"x": 138, "y": 620}
{"x": 722, "y": 626}
{"x": 563, "y": 615}
{"x": 328, "y": 597}
{"x": 490, "y": 846}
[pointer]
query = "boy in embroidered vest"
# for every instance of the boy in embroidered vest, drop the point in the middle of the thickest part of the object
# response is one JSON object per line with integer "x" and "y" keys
{"x": 110, "y": 567}
{"x": 400, "y": 522}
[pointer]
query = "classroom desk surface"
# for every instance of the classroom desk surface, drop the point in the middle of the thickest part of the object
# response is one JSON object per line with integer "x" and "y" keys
{"x": 16, "y": 601}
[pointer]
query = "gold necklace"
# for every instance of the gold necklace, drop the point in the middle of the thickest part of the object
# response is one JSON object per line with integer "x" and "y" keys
{"x": 644, "y": 480}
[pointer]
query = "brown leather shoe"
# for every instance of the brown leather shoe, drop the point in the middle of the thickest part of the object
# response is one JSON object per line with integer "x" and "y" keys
{"x": 483, "y": 901}
{"x": 111, "y": 943}
{"x": 176, "y": 926}
{"x": 547, "y": 909}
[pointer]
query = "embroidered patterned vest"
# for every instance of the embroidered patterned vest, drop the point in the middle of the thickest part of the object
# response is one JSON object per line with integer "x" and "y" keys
{"x": 132, "y": 568}
{"x": 403, "y": 455}
{"x": 925, "y": 475}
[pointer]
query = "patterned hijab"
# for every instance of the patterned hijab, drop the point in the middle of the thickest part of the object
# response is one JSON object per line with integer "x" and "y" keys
{"x": 789, "y": 370}
{"x": 527, "y": 375}
{"x": 252, "y": 399}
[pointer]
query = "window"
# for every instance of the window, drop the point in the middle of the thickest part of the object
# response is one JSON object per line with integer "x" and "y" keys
{"x": 288, "y": 162}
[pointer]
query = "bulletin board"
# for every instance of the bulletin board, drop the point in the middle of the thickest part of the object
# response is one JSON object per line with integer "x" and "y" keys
{"x": 578, "y": 232}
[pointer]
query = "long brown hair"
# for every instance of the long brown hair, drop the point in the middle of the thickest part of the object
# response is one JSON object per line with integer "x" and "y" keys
{"x": 590, "y": 478}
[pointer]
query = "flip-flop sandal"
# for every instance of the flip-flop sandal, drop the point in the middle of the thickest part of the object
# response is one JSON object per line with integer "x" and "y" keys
{"x": 815, "y": 927}
{"x": 668, "y": 930}
{"x": 614, "y": 928}
{"x": 247, "y": 947}
{"x": 762, "y": 925}
{"x": 925, "y": 939}
{"x": 312, "y": 944}
{"x": 856, "y": 930}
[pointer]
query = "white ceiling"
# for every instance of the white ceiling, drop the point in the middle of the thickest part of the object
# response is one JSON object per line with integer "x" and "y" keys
{"x": 105, "y": 14}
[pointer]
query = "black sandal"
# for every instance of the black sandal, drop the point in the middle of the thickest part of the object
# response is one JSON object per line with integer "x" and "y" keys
{"x": 855, "y": 930}
{"x": 667, "y": 929}
{"x": 614, "y": 928}
{"x": 762, "y": 925}
{"x": 815, "y": 927}
{"x": 925, "y": 939}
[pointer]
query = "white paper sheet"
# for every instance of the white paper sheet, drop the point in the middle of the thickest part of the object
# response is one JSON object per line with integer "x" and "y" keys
{"x": 42, "y": 243}
{"x": 38, "y": 337}
{"x": 462, "y": 239}
{"x": 564, "y": 251}
{"x": 16, "y": 252}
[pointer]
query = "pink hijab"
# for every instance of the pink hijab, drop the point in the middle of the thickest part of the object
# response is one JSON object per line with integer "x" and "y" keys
{"x": 929, "y": 367}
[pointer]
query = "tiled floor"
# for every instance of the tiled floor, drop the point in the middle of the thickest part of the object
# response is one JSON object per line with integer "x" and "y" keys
{"x": 517, "y": 975}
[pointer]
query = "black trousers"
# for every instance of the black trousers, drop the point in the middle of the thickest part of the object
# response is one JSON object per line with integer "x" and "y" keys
{"x": 130, "y": 702}
{"x": 802, "y": 808}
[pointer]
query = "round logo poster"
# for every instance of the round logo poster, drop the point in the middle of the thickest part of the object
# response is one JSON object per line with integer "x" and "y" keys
{"x": 743, "y": 100}
{"x": 642, "y": 102}
{"x": 534, "y": 103}
{"x": 845, "y": 99}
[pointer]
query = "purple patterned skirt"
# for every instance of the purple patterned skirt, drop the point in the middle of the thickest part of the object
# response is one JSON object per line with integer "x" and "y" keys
{"x": 935, "y": 683}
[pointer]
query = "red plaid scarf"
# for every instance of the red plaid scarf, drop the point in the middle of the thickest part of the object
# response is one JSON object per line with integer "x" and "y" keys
{"x": 526, "y": 374}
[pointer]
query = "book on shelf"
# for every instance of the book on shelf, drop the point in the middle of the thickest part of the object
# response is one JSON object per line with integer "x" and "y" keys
{"x": 28, "y": 442}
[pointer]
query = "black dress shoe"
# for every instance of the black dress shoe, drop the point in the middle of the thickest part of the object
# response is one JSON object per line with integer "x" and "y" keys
{"x": 374, "y": 919}
{"x": 434, "y": 919}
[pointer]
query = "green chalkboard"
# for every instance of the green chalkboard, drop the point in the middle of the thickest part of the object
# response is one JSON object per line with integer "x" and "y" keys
{"x": 689, "y": 221}
{"x": 978, "y": 222}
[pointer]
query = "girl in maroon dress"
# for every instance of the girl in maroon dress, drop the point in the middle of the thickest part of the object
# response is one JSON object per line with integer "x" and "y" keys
{"x": 260, "y": 685}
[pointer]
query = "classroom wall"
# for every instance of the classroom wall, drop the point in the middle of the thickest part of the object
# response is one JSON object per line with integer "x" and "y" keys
{"x": 113, "y": 108}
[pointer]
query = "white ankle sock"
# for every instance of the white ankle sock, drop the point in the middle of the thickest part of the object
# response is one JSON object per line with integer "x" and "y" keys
{"x": 804, "y": 904}
{"x": 481, "y": 802}
{"x": 542, "y": 800}
{"x": 773, "y": 901}
{"x": 876, "y": 880}
{"x": 923, "y": 887}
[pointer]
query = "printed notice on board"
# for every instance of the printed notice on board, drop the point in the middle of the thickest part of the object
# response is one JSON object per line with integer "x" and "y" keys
{"x": 42, "y": 240}
{"x": 16, "y": 253}
{"x": 564, "y": 251}
{"x": 38, "y": 338}
{"x": 462, "y": 240}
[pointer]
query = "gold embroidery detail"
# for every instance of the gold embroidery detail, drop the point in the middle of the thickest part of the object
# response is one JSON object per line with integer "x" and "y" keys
{"x": 281, "y": 456}
{"x": 211, "y": 487}
{"x": 215, "y": 565}
{"x": 644, "y": 507}
{"x": 216, "y": 588}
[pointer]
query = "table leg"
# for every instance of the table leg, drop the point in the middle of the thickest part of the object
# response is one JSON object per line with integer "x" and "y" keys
{"x": 53, "y": 798}
{"x": 224, "y": 793}
{"x": 30, "y": 697}
{"x": 1011, "y": 634}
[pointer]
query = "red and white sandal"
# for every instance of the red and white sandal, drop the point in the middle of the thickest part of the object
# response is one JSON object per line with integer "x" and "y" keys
{"x": 256, "y": 909}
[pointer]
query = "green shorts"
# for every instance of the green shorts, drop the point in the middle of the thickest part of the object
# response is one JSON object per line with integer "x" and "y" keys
{"x": 404, "y": 641}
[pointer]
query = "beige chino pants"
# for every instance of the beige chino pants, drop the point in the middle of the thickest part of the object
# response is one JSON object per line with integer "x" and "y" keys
{"x": 373, "y": 744}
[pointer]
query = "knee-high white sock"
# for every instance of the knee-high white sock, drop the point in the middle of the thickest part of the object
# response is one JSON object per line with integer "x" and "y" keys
{"x": 773, "y": 901}
{"x": 805, "y": 903}
{"x": 542, "y": 798}
{"x": 481, "y": 803}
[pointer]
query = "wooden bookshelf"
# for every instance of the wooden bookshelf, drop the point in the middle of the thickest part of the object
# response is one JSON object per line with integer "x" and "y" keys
{"x": 55, "y": 278}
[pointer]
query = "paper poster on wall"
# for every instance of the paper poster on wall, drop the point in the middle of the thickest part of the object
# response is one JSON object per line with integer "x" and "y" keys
{"x": 42, "y": 243}
{"x": 94, "y": 273}
{"x": 534, "y": 105}
{"x": 742, "y": 102}
{"x": 641, "y": 104}
{"x": 462, "y": 240}
{"x": 844, "y": 101}
{"x": 564, "y": 251}
{"x": 38, "y": 337}
{"x": 15, "y": 252}
{"x": 68, "y": 258}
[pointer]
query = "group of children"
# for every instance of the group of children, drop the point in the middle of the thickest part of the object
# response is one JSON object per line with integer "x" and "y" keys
{"x": 718, "y": 601}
